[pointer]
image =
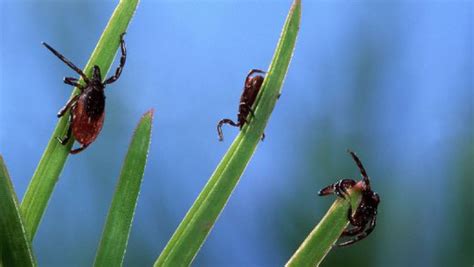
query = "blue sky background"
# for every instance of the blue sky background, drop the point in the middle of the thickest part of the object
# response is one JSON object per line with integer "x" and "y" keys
{"x": 392, "y": 80}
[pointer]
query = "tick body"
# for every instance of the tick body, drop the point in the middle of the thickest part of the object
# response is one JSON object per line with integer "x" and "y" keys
{"x": 252, "y": 86}
{"x": 87, "y": 108}
{"x": 363, "y": 221}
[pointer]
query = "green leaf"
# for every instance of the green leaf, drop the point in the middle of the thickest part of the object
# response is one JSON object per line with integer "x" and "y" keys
{"x": 195, "y": 227}
{"x": 320, "y": 241}
{"x": 15, "y": 246}
{"x": 54, "y": 157}
{"x": 114, "y": 239}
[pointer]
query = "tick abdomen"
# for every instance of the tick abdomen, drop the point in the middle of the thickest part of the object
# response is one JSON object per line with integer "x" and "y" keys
{"x": 88, "y": 117}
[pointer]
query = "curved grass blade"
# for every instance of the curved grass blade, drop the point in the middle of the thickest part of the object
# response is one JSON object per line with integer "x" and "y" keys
{"x": 54, "y": 157}
{"x": 114, "y": 239}
{"x": 320, "y": 241}
{"x": 15, "y": 246}
{"x": 196, "y": 225}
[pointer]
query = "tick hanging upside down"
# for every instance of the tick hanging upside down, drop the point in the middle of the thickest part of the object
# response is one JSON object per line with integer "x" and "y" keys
{"x": 365, "y": 216}
{"x": 87, "y": 108}
{"x": 251, "y": 88}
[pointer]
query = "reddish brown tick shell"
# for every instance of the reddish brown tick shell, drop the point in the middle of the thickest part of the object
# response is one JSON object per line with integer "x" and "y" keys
{"x": 85, "y": 128}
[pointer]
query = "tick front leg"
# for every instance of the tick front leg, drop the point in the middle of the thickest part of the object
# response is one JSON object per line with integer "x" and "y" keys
{"x": 339, "y": 188}
{"x": 67, "y": 61}
{"x": 253, "y": 71}
{"x": 68, "y": 105}
{"x": 222, "y": 122}
{"x": 77, "y": 150}
{"x": 123, "y": 58}
{"x": 328, "y": 190}
{"x": 360, "y": 166}
{"x": 74, "y": 82}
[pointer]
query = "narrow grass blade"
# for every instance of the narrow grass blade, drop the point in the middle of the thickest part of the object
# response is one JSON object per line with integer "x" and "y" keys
{"x": 54, "y": 157}
{"x": 114, "y": 239}
{"x": 195, "y": 227}
{"x": 320, "y": 241}
{"x": 15, "y": 246}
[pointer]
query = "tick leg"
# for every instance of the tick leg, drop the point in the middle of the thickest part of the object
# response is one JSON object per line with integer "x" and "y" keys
{"x": 222, "y": 122}
{"x": 351, "y": 217}
{"x": 244, "y": 108}
{"x": 67, "y": 61}
{"x": 77, "y": 150}
{"x": 68, "y": 105}
{"x": 123, "y": 58}
{"x": 328, "y": 190}
{"x": 247, "y": 108}
{"x": 361, "y": 167}
{"x": 362, "y": 235}
{"x": 252, "y": 71}
{"x": 353, "y": 231}
{"x": 74, "y": 82}
{"x": 250, "y": 111}
{"x": 339, "y": 188}
{"x": 66, "y": 138}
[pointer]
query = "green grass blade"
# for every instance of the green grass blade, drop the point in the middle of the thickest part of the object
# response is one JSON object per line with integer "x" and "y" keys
{"x": 195, "y": 227}
{"x": 15, "y": 246}
{"x": 320, "y": 241}
{"x": 54, "y": 157}
{"x": 114, "y": 239}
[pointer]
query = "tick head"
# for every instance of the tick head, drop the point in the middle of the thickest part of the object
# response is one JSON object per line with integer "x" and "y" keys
{"x": 96, "y": 76}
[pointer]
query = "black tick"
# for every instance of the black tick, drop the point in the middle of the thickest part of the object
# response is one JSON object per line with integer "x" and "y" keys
{"x": 364, "y": 219}
{"x": 252, "y": 86}
{"x": 87, "y": 108}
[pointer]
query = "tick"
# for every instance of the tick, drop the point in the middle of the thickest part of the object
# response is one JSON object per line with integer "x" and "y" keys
{"x": 252, "y": 86}
{"x": 87, "y": 108}
{"x": 364, "y": 219}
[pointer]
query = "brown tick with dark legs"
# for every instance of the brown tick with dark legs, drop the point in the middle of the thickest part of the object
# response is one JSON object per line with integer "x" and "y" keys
{"x": 251, "y": 88}
{"x": 87, "y": 108}
{"x": 365, "y": 216}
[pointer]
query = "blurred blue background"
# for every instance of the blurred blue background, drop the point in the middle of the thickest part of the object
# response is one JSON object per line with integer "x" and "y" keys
{"x": 391, "y": 80}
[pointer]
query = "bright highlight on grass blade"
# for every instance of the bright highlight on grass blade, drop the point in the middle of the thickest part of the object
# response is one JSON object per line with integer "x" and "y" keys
{"x": 195, "y": 227}
{"x": 319, "y": 242}
{"x": 114, "y": 239}
{"x": 15, "y": 246}
{"x": 54, "y": 157}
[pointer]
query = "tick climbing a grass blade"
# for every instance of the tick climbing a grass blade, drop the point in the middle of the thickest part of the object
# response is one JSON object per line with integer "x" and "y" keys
{"x": 54, "y": 157}
{"x": 87, "y": 108}
{"x": 356, "y": 206}
{"x": 190, "y": 235}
